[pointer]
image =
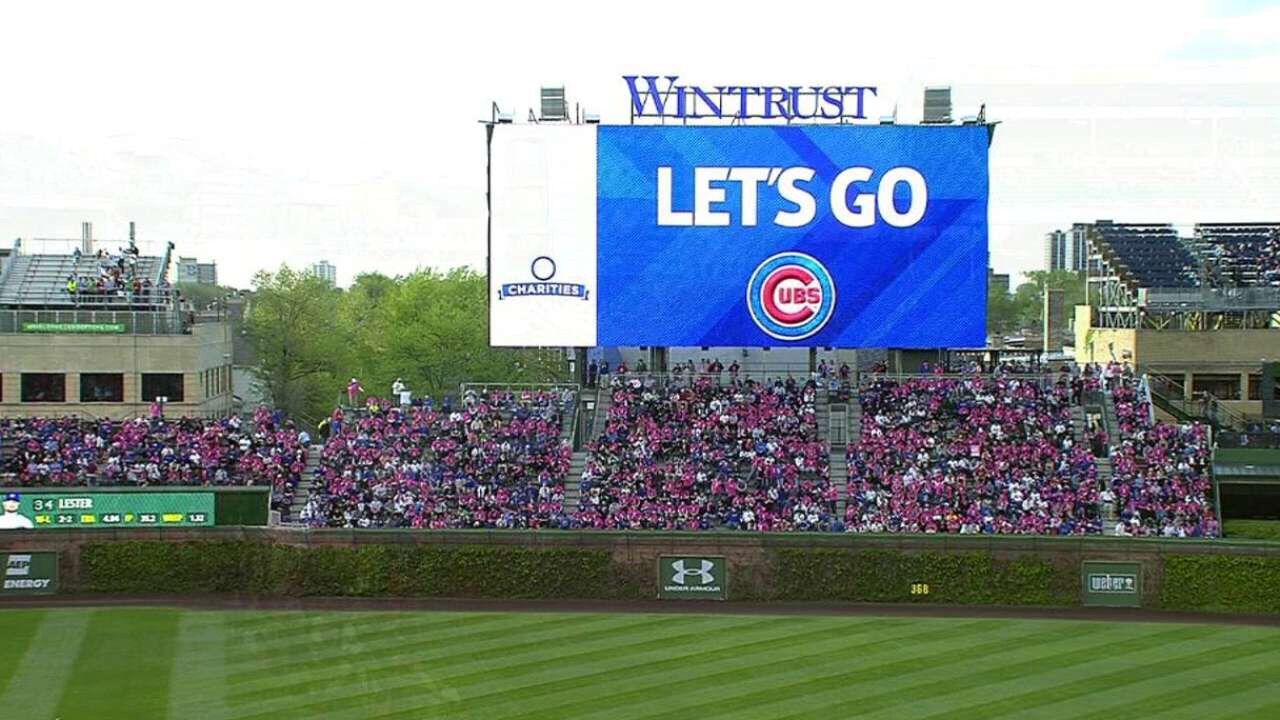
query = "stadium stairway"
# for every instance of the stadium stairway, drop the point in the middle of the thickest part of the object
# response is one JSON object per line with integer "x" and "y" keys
{"x": 1112, "y": 423}
{"x": 854, "y": 433}
{"x": 1079, "y": 425}
{"x": 572, "y": 482}
{"x": 303, "y": 492}
{"x": 1106, "y": 510}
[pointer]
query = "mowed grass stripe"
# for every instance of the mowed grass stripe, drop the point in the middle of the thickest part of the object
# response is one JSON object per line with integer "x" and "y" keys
{"x": 558, "y": 682}
{"x": 141, "y": 639}
{"x": 1169, "y": 692}
{"x": 17, "y": 628}
{"x": 1269, "y": 711}
{"x": 268, "y": 626}
{"x": 1242, "y": 702}
{"x": 287, "y": 644}
{"x": 876, "y": 688}
{"x": 316, "y": 630}
{"x": 1110, "y": 669}
{"x": 42, "y": 673}
{"x": 771, "y": 692}
{"x": 396, "y": 688}
{"x": 391, "y": 663}
{"x": 307, "y": 656}
{"x": 198, "y": 681}
{"x": 429, "y": 643}
{"x": 976, "y": 688}
{"x": 562, "y": 696}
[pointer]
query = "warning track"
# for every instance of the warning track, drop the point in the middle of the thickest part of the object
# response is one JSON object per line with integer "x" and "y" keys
{"x": 703, "y": 607}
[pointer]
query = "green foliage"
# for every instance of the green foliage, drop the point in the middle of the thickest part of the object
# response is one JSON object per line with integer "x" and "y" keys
{"x": 1022, "y": 309}
{"x": 429, "y": 328}
{"x": 1222, "y": 583}
{"x": 291, "y": 325}
{"x": 202, "y": 295}
{"x": 1252, "y": 529}
{"x": 497, "y": 571}
{"x": 968, "y": 578}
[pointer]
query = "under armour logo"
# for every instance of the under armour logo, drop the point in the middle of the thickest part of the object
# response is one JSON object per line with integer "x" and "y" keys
{"x": 703, "y": 573}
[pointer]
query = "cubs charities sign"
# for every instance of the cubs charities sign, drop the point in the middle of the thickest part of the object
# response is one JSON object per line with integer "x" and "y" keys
{"x": 793, "y": 235}
{"x": 699, "y": 577}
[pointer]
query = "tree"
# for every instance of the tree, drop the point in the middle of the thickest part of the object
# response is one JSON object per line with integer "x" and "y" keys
{"x": 1022, "y": 309}
{"x": 202, "y": 295}
{"x": 429, "y": 328}
{"x": 300, "y": 352}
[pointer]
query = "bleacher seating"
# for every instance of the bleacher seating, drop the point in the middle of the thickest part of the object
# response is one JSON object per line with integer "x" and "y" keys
{"x": 156, "y": 452}
{"x": 1162, "y": 482}
{"x": 971, "y": 455}
{"x": 498, "y": 461}
{"x": 700, "y": 455}
{"x": 41, "y": 281}
{"x": 1241, "y": 254}
{"x": 1147, "y": 255}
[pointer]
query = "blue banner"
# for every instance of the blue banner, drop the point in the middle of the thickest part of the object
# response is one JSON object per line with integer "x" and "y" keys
{"x": 846, "y": 236}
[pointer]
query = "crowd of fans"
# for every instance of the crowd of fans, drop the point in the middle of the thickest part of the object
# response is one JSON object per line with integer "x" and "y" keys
{"x": 695, "y": 454}
{"x": 1260, "y": 252}
{"x": 157, "y": 452}
{"x": 1161, "y": 477}
{"x": 496, "y": 460}
{"x": 976, "y": 454}
{"x": 117, "y": 280}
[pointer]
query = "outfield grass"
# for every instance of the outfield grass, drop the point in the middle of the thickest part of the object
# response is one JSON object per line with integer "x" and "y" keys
{"x": 156, "y": 663}
{"x": 1252, "y": 529}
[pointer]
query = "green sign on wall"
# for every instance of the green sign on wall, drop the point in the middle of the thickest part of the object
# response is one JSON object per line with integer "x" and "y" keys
{"x": 29, "y": 573}
{"x": 693, "y": 577}
{"x": 44, "y": 510}
{"x": 1112, "y": 584}
{"x": 49, "y": 327}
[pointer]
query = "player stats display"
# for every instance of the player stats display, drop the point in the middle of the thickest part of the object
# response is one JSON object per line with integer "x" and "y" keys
{"x": 824, "y": 235}
{"x": 35, "y": 510}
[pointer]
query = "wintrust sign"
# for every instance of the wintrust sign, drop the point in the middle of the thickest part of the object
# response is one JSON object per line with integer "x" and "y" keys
{"x": 662, "y": 96}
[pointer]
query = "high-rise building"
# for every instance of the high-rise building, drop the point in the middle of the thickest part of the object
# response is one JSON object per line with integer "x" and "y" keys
{"x": 191, "y": 270}
{"x": 1067, "y": 251}
{"x": 325, "y": 271}
{"x": 998, "y": 280}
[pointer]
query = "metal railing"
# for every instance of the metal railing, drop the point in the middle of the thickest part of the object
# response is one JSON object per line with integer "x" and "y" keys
{"x": 1259, "y": 440}
{"x": 161, "y": 298}
{"x": 1203, "y": 406}
{"x": 118, "y": 322}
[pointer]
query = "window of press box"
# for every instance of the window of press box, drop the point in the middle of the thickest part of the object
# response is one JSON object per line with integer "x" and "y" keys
{"x": 162, "y": 385}
{"x": 101, "y": 387}
{"x": 44, "y": 387}
{"x": 1222, "y": 387}
{"x": 1255, "y": 387}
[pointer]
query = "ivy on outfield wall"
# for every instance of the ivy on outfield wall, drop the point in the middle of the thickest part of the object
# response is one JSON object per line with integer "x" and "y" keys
{"x": 362, "y": 571}
{"x": 1223, "y": 583}
{"x": 1231, "y": 583}
{"x": 968, "y": 578}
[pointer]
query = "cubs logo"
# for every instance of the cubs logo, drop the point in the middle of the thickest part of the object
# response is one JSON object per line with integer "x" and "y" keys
{"x": 791, "y": 296}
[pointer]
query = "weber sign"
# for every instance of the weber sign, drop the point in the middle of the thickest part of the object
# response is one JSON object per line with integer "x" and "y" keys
{"x": 699, "y": 577}
{"x": 31, "y": 573}
{"x": 1112, "y": 584}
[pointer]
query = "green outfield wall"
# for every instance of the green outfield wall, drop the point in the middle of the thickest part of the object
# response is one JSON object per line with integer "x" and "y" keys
{"x": 1231, "y": 576}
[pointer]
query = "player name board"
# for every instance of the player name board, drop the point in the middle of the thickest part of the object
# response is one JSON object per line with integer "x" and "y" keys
{"x": 111, "y": 509}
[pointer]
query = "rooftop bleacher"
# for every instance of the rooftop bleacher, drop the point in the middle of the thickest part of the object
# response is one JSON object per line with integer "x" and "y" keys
{"x": 1240, "y": 254}
{"x": 1147, "y": 255}
{"x": 41, "y": 281}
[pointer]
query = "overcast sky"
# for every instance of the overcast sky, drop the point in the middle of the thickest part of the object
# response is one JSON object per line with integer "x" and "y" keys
{"x": 255, "y": 134}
